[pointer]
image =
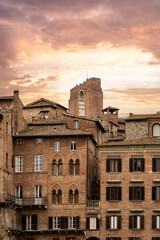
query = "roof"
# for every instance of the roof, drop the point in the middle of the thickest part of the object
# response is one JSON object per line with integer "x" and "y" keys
{"x": 49, "y": 130}
{"x": 140, "y": 141}
{"x": 7, "y": 98}
{"x": 47, "y": 122}
{"x": 143, "y": 116}
{"x": 111, "y": 108}
{"x": 85, "y": 118}
{"x": 42, "y": 102}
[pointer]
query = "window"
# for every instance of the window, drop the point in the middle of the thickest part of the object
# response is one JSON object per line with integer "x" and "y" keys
{"x": 72, "y": 222}
{"x": 113, "y": 165}
{"x": 73, "y": 196}
{"x": 18, "y": 164}
{"x": 29, "y": 222}
{"x": 81, "y": 103}
{"x": 57, "y": 146}
{"x": 38, "y": 194}
{"x": 156, "y": 164}
{"x": 156, "y": 130}
{"x": 20, "y": 141}
{"x": 73, "y": 145}
{"x": 43, "y": 115}
{"x": 135, "y": 238}
{"x": 39, "y": 140}
{"x": 156, "y": 222}
{"x": 64, "y": 222}
{"x": 57, "y": 197}
{"x": 76, "y": 123}
{"x": 156, "y": 193}
{"x": 74, "y": 167}
{"x": 92, "y": 223}
{"x": 6, "y": 160}
{"x": 57, "y": 168}
{"x": 113, "y": 193}
{"x": 18, "y": 194}
{"x": 38, "y": 163}
{"x": 136, "y": 193}
{"x": 30, "y": 113}
{"x": 136, "y": 222}
{"x": 113, "y": 222}
{"x": 136, "y": 165}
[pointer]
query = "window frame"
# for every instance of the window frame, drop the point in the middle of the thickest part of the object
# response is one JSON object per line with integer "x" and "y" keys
{"x": 18, "y": 164}
{"x": 38, "y": 163}
{"x": 113, "y": 222}
{"x": 113, "y": 165}
{"x": 113, "y": 193}
{"x": 57, "y": 146}
{"x": 134, "y": 191}
{"x": 155, "y": 193}
{"x": 73, "y": 145}
{"x": 133, "y": 164}
{"x": 136, "y": 222}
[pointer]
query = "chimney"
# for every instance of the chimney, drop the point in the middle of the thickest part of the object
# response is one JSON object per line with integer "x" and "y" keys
{"x": 16, "y": 93}
{"x": 130, "y": 114}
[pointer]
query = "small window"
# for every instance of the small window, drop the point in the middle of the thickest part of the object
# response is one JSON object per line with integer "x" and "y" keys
{"x": 18, "y": 164}
{"x": 6, "y": 160}
{"x": 136, "y": 222}
{"x": 39, "y": 140}
{"x": 20, "y": 141}
{"x": 113, "y": 222}
{"x": 76, "y": 123}
{"x": 113, "y": 193}
{"x": 156, "y": 193}
{"x": 38, "y": 195}
{"x": 156, "y": 130}
{"x": 57, "y": 197}
{"x": 7, "y": 124}
{"x": 56, "y": 222}
{"x": 29, "y": 222}
{"x": 57, "y": 146}
{"x": 156, "y": 164}
{"x": 72, "y": 222}
{"x": 30, "y": 113}
{"x": 73, "y": 196}
{"x": 156, "y": 222}
{"x": 92, "y": 223}
{"x": 38, "y": 163}
{"x": 113, "y": 165}
{"x": 136, "y": 164}
{"x": 73, "y": 145}
{"x": 18, "y": 195}
{"x": 136, "y": 193}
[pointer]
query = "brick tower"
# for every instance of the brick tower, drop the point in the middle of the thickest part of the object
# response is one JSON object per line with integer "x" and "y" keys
{"x": 86, "y": 99}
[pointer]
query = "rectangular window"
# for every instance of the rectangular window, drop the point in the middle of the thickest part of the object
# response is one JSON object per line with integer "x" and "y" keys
{"x": 156, "y": 193}
{"x": 156, "y": 222}
{"x": 57, "y": 146}
{"x": 135, "y": 238}
{"x": 39, "y": 140}
{"x": 38, "y": 194}
{"x": 76, "y": 123}
{"x": 136, "y": 193}
{"x": 136, "y": 164}
{"x": 29, "y": 222}
{"x": 156, "y": 164}
{"x": 113, "y": 193}
{"x": 73, "y": 145}
{"x": 64, "y": 222}
{"x": 72, "y": 222}
{"x": 56, "y": 222}
{"x": 38, "y": 163}
{"x": 92, "y": 223}
{"x": 113, "y": 165}
{"x": 18, "y": 164}
{"x": 136, "y": 222}
{"x": 20, "y": 141}
{"x": 18, "y": 194}
{"x": 113, "y": 222}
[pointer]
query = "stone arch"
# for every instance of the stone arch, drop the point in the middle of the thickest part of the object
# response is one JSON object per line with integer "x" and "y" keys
{"x": 56, "y": 186}
{"x": 81, "y": 103}
{"x": 156, "y": 130}
{"x": 74, "y": 156}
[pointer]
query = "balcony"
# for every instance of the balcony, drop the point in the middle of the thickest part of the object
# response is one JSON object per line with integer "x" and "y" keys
{"x": 27, "y": 201}
{"x": 93, "y": 203}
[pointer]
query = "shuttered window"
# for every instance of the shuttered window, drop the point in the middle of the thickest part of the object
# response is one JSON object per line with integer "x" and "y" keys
{"x": 136, "y": 222}
{"x": 92, "y": 223}
{"x": 64, "y": 222}
{"x": 156, "y": 193}
{"x": 156, "y": 222}
{"x": 29, "y": 222}
{"x": 113, "y": 165}
{"x": 137, "y": 164}
{"x": 18, "y": 164}
{"x": 136, "y": 193}
{"x": 113, "y": 193}
{"x": 156, "y": 164}
{"x": 113, "y": 222}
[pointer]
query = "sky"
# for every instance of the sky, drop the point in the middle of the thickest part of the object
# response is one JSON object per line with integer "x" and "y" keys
{"x": 47, "y": 47}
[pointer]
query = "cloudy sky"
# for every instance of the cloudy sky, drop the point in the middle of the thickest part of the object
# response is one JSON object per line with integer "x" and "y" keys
{"x": 49, "y": 46}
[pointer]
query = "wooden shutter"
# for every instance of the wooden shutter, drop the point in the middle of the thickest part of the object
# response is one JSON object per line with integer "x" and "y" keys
{"x": 50, "y": 222}
{"x": 34, "y": 222}
{"x": 142, "y": 193}
{"x": 87, "y": 223}
{"x": 131, "y": 164}
{"x": 97, "y": 223}
{"x": 153, "y": 193}
{"x": 142, "y": 222}
{"x": 143, "y": 164}
{"x": 130, "y": 222}
{"x": 107, "y": 194}
{"x": 119, "y": 193}
{"x": 119, "y": 222}
{"x": 23, "y": 222}
{"x": 153, "y": 221}
{"x": 153, "y": 164}
{"x": 107, "y": 165}
{"x": 64, "y": 222}
{"x": 77, "y": 222}
{"x": 107, "y": 222}
{"x": 120, "y": 165}
{"x": 130, "y": 193}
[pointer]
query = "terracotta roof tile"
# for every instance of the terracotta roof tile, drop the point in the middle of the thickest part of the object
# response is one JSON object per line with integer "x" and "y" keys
{"x": 143, "y": 117}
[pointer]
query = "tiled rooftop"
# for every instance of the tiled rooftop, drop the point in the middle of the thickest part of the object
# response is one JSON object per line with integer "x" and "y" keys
{"x": 143, "y": 117}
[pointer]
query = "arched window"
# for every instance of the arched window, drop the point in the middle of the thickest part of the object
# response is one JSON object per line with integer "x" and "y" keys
{"x": 57, "y": 197}
{"x": 156, "y": 130}
{"x": 81, "y": 103}
{"x": 71, "y": 167}
{"x": 55, "y": 167}
{"x": 73, "y": 196}
{"x": 77, "y": 167}
{"x": 60, "y": 167}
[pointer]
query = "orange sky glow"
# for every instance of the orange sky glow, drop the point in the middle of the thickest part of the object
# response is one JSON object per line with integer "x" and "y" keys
{"x": 47, "y": 47}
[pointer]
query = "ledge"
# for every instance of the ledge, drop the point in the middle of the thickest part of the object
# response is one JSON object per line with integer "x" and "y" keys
{"x": 136, "y": 210}
{"x": 156, "y": 210}
{"x": 156, "y": 181}
{"x": 113, "y": 211}
{"x": 114, "y": 181}
{"x": 137, "y": 181}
